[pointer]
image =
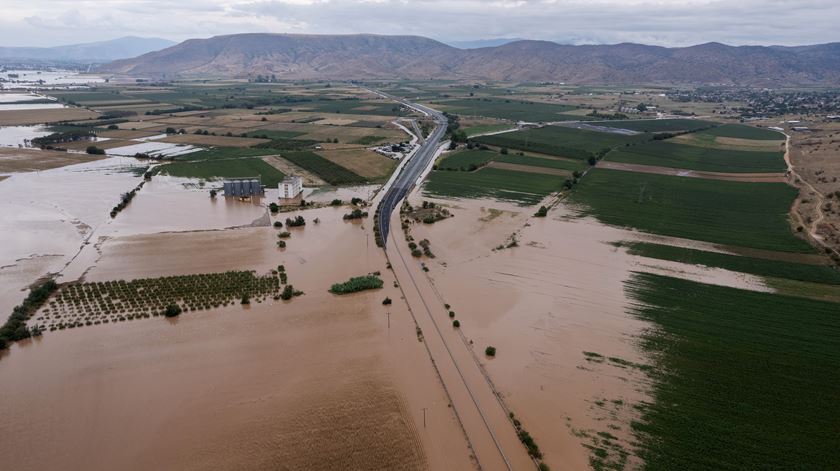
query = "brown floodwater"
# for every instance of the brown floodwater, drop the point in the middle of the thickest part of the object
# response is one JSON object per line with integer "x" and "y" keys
{"x": 321, "y": 382}
{"x": 560, "y": 293}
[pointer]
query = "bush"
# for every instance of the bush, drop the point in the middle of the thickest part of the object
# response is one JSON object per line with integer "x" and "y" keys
{"x": 358, "y": 283}
{"x": 284, "y": 235}
{"x": 278, "y": 224}
{"x": 173, "y": 310}
{"x": 417, "y": 253}
{"x": 542, "y": 212}
{"x": 451, "y": 314}
{"x": 273, "y": 207}
{"x": 456, "y": 323}
{"x": 386, "y": 302}
{"x": 490, "y": 351}
{"x": 336, "y": 202}
{"x": 281, "y": 244}
{"x": 93, "y": 150}
{"x": 296, "y": 222}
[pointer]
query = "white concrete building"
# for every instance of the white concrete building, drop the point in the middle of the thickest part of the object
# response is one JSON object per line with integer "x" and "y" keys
{"x": 290, "y": 187}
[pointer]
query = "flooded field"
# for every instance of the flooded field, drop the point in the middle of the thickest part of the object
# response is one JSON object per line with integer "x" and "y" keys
{"x": 556, "y": 311}
{"x": 20, "y": 136}
{"x": 315, "y": 382}
{"x": 47, "y": 79}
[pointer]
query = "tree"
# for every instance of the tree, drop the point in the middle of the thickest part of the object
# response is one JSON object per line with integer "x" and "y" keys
{"x": 504, "y": 151}
{"x": 386, "y": 301}
{"x": 173, "y": 310}
{"x": 93, "y": 150}
{"x": 456, "y": 323}
{"x": 490, "y": 351}
{"x": 542, "y": 212}
{"x": 273, "y": 207}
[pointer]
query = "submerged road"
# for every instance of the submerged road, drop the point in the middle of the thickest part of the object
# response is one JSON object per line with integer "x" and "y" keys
{"x": 413, "y": 168}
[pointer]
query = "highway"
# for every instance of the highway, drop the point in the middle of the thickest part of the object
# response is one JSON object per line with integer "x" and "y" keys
{"x": 413, "y": 168}
{"x": 477, "y": 405}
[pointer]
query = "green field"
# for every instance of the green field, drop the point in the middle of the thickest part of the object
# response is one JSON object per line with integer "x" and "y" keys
{"x": 740, "y": 380}
{"x": 226, "y": 168}
{"x": 742, "y": 214}
{"x": 669, "y": 154}
{"x": 331, "y": 172}
{"x": 519, "y": 187}
{"x": 756, "y": 266}
{"x": 741, "y": 131}
{"x": 462, "y": 159}
{"x": 514, "y": 110}
{"x": 368, "y": 140}
{"x": 570, "y": 165}
{"x": 561, "y": 141}
{"x": 658, "y": 125}
{"x": 223, "y": 153}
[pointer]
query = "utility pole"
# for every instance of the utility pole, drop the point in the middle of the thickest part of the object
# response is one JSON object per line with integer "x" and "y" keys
{"x": 389, "y": 320}
{"x": 424, "y": 417}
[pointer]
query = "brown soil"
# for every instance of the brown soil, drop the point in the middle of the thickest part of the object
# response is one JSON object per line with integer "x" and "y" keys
{"x": 126, "y": 134}
{"x": 816, "y": 171}
{"x": 21, "y": 117}
{"x": 530, "y": 169}
{"x": 31, "y": 160}
{"x": 678, "y": 172}
{"x": 361, "y": 161}
{"x": 288, "y": 168}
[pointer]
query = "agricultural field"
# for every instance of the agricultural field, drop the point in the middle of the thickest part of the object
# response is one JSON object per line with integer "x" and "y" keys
{"x": 225, "y": 153}
{"x": 511, "y": 109}
{"x": 733, "y": 213}
{"x": 561, "y": 141}
{"x": 751, "y": 386}
{"x": 740, "y": 131}
{"x": 518, "y": 187}
{"x": 85, "y": 304}
{"x": 542, "y": 162}
{"x": 331, "y": 172}
{"x": 669, "y": 154}
{"x": 826, "y": 274}
{"x": 361, "y": 161}
{"x": 464, "y": 159}
{"x": 659, "y": 125}
{"x": 225, "y": 168}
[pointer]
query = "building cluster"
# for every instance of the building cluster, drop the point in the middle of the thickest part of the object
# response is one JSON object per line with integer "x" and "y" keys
{"x": 764, "y": 103}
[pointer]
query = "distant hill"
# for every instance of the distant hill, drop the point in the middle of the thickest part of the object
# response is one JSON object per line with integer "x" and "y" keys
{"x": 413, "y": 57}
{"x": 103, "y": 51}
{"x": 478, "y": 43}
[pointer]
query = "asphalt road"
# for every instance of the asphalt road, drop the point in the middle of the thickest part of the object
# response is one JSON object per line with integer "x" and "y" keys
{"x": 412, "y": 169}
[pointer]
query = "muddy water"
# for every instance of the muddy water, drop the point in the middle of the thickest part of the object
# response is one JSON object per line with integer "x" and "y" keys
{"x": 318, "y": 383}
{"x": 46, "y": 216}
{"x": 542, "y": 305}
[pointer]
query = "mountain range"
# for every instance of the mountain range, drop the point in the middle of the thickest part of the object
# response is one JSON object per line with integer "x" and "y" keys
{"x": 365, "y": 56}
{"x": 103, "y": 51}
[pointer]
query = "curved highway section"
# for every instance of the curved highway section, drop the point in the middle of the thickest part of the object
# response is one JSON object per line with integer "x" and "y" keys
{"x": 413, "y": 168}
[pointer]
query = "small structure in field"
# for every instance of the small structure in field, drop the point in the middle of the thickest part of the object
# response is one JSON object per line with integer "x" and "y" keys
{"x": 243, "y": 187}
{"x": 290, "y": 187}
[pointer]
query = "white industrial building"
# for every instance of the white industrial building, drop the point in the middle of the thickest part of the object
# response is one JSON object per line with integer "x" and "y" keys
{"x": 290, "y": 187}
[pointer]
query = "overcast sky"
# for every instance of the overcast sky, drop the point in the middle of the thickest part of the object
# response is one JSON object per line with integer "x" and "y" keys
{"x": 661, "y": 22}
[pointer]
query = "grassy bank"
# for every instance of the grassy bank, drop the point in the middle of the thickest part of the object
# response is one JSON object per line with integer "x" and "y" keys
{"x": 669, "y": 154}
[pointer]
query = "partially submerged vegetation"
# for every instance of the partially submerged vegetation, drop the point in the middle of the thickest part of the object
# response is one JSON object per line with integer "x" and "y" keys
{"x": 94, "y": 303}
{"x": 357, "y": 283}
{"x": 15, "y": 327}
